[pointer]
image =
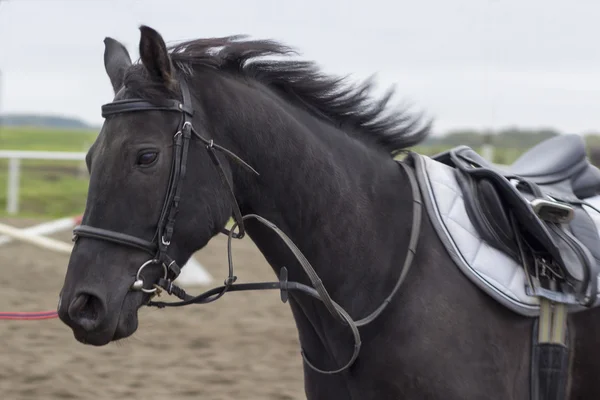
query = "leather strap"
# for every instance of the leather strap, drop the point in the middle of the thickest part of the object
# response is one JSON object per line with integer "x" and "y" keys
{"x": 135, "y": 105}
{"x": 115, "y": 237}
{"x": 318, "y": 291}
{"x": 161, "y": 240}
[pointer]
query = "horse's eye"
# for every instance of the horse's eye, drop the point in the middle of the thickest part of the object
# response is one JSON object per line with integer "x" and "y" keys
{"x": 147, "y": 158}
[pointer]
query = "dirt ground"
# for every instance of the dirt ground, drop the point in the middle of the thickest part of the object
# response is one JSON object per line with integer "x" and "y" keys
{"x": 243, "y": 346}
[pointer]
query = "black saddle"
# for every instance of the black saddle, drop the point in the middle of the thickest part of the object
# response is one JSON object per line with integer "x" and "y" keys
{"x": 559, "y": 161}
{"x": 542, "y": 226}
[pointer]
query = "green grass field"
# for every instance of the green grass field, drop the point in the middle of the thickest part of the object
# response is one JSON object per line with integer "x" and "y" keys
{"x": 45, "y": 139}
{"x": 47, "y": 188}
{"x": 54, "y": 189}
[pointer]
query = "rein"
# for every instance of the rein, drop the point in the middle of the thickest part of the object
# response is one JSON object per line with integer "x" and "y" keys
{"x": 317, "y": 290}
{"x": 159, "y": 245}
{"x": 28, "y": 316}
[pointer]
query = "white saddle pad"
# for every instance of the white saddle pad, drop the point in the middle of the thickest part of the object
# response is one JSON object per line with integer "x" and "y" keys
{"x": 490, "y": 269}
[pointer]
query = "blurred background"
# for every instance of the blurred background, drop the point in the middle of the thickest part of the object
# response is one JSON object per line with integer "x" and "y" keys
{"x": 510, "y": 72}
{"x": 499, "y": 74}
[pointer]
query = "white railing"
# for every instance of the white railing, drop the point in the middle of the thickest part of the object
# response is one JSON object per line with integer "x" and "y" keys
{"x": 14, "y": 170}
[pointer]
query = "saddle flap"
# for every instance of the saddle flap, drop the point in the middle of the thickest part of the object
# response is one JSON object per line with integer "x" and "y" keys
{"x": 472, "y": 167}
{"x": 493, "y": 207}
{"x": 487, "y": 212}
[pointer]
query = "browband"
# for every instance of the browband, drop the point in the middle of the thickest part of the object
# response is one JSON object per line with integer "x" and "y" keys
{"x": 129, "y": 105}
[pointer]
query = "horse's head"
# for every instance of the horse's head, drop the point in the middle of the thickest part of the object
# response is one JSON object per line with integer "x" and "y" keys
{"x": 138, "y": 185}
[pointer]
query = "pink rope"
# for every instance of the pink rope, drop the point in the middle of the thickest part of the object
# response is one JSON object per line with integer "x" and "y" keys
{"x": 33, "y": 316}
{"x": 28, "y": 316}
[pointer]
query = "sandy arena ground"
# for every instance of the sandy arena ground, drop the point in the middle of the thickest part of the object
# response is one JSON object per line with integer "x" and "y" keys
{"x": 243, "y": 346}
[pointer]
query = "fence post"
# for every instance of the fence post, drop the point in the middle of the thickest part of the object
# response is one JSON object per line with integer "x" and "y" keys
{"x": 487, "y": 149}
{"x": 487, "y": 152}
{"x": 12, "y": 195}
{"x": 82, "y": 171}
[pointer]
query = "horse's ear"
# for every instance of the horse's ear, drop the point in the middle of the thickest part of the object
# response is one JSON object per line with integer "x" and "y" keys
{"x": 154, "y": 55}
{"x": 116, "y": 61}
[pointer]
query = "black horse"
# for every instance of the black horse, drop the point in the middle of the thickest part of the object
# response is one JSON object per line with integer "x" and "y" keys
{"x": 319, "y": 163}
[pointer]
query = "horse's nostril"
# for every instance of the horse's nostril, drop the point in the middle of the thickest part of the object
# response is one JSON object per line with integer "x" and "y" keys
{"x": 86, "y": 310}
{"x": 84, "y": 304}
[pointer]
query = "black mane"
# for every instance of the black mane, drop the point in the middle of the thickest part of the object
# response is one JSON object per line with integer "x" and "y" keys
{"x": 348, "y": 106}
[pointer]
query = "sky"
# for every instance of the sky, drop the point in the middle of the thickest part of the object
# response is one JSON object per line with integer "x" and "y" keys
{"x": 482, "y": 64}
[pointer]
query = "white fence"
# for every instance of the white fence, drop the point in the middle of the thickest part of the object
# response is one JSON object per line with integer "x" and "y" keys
{"x": 14, "y": 170}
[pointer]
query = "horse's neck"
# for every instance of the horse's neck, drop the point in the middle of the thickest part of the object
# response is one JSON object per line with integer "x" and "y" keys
{"x": 345, "y": 206}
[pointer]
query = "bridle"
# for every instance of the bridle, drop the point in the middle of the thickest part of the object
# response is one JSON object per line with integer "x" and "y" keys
{"x": 159, "y": 245}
